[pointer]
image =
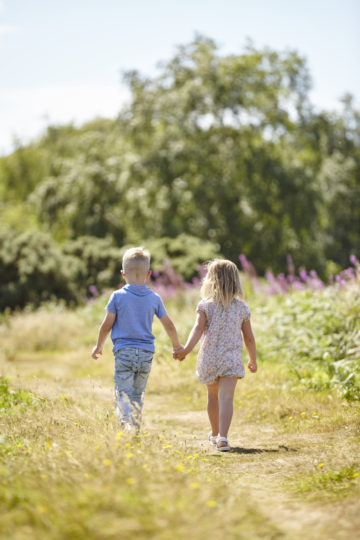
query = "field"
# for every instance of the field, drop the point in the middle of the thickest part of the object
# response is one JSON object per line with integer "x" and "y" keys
{"x": 68, "y": 472}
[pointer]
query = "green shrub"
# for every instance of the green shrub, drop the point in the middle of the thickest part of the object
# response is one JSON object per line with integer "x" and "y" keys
{"x": 98, "y": 263}
{"x": 317, "y": 335}
{"x": 185, "y": 253}
{"x": 33, "y": 269}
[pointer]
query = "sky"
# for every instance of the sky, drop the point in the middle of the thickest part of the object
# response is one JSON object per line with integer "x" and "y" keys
{"x": 62, "y": 60}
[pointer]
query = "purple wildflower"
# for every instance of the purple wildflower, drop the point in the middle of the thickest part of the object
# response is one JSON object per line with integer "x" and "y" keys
{"x": 353, "y": 260}
{"x": 93, "y": 291}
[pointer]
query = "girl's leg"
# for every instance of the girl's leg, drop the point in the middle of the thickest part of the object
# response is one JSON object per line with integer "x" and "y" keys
{"x": 226, "y": 395}
{"x": 213, "y": 407}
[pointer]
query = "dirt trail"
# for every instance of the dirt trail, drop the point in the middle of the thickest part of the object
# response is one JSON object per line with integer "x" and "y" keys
{"x": 260, "y": 462}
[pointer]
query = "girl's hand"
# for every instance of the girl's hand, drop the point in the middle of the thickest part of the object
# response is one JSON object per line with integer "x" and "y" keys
{"x": 252, "y": 366}
{"x": 179, "y": 354}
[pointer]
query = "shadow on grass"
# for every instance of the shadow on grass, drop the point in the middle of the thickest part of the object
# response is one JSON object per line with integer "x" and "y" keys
{"x": 240, "y": 450}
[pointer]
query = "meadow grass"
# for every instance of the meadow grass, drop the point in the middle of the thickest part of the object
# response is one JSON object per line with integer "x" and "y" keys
{"x": 68, "y": 471}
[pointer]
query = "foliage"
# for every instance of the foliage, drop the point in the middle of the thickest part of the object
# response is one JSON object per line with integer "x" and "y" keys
{"x": 184, "y": 254}
{"x": 283, "y": 284}
{"x": 10, "y": 398}
{"x": 316, "y": 334}
{"x": 99, "y": 264}
{"x": 33, "y": 270}
{"x": 68, "y": 471}
{"x": 226, "y": 148}
{"x": 328, "y": 482}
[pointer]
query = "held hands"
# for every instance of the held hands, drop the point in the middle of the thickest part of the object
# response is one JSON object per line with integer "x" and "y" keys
{"x": 179, "y": 353}
{"x": 252, "y": 366}
{"x": 95, "y": 352}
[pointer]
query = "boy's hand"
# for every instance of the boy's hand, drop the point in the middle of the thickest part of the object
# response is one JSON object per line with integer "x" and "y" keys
{"x": 179, "y": 353}
{"x": 252, "y": 366}
{"x": 95, "y": 352}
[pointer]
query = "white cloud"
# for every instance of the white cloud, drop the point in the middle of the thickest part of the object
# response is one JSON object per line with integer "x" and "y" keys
{"x": 9, "y": 29}
{"x": 6, "y": 29}
{"x": 26, "y": 113}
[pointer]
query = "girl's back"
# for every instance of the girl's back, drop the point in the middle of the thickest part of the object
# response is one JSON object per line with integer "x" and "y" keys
{"x": 221, "y": 343}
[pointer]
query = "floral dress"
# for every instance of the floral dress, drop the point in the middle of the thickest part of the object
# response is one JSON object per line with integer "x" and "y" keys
{"x": 221, "y": 344}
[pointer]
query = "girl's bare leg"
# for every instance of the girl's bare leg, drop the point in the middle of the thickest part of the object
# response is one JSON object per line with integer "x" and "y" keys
{"x": 226, "y": 396}
{"x": 213, "y": 407}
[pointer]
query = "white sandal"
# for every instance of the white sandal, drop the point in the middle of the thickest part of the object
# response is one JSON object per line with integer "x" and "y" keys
{"x": 212, "y": 438}
{"x": 225, "y": 448}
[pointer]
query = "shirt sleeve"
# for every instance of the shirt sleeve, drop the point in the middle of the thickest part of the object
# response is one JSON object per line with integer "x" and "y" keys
{"x": 246, "y": 313}
{"x": 160, "y": 309}
{"x": 202, "y": 306}
{"x": 111, "y": 304}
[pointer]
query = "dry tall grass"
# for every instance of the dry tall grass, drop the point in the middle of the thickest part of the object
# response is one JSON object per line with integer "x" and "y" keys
{"x": 67, "y": 471}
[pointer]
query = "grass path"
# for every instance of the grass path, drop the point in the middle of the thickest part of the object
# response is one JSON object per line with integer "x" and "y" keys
{"x": 68, "y": 473}
{"x": 261, "y": 461}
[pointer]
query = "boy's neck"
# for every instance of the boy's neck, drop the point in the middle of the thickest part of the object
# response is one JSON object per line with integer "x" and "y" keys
{"x": 138, "y": 278}
{"x": 137, "y": 282}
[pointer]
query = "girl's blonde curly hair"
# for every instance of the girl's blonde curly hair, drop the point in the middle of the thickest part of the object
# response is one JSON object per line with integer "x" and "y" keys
{"x": 222, "y": 282}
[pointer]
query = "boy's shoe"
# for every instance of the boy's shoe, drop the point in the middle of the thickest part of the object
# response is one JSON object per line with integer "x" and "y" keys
{"x": 212, "y": 438}
{"x": 126, "y": 426}
{"x": 222, "y": 448}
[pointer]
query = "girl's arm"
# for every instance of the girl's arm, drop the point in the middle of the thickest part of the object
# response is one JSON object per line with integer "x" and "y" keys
{"x": 194, "y": 335}
{"x": 250, "y": 345}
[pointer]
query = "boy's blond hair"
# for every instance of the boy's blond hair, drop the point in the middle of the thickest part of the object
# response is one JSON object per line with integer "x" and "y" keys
{"x": 135, "y": 259}
{"x": 222, "y": 282}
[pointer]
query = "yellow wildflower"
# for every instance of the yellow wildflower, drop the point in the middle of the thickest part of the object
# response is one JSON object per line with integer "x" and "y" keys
{"x": 42, "y": 509}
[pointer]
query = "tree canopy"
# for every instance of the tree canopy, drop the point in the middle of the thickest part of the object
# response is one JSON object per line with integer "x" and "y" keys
{"x": 225, "y": 148}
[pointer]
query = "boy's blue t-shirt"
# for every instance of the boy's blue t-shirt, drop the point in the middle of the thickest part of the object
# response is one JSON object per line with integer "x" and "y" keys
{"x": 134, "y": 307}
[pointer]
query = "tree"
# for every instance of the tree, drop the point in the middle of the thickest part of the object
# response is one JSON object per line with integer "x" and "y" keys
{"x": 226, "y": 148}
{"x": 215, "y": 142}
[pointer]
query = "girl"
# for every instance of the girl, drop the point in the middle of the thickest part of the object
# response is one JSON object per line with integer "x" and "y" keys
{"x": 222, "y": 317}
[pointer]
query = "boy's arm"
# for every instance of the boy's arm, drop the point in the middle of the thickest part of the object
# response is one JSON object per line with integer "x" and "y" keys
{"x": 250, "y": 345}
{"x": 171, "y": 331}
{"x": 104, "y": 330}
{"x": 196, "y": 332}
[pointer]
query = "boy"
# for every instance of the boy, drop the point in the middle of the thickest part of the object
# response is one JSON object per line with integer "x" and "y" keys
{"x": 130, "y": 313}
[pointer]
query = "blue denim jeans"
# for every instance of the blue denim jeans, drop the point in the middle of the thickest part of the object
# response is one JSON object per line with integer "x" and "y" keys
{"x": 132, "y": 370}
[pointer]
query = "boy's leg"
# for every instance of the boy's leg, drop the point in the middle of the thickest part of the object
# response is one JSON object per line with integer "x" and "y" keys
{"x": 140, "y": 379}
{"x": 124, "y": 382}
{"x": 226, "y": 396}
{"x": 213, "y": 407}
